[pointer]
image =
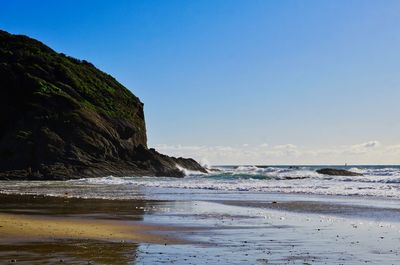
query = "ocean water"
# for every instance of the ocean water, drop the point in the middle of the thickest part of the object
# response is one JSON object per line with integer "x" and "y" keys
{"x": 376, "y": 182}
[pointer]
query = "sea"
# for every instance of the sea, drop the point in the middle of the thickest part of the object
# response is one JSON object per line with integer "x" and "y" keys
{"x": 378, "y": 181}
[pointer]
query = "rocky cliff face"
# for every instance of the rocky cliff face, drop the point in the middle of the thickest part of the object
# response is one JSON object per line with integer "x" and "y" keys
{"x": 62, "y": 118}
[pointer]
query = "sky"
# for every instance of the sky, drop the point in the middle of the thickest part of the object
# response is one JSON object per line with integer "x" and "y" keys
{"x": 242, "y": 82}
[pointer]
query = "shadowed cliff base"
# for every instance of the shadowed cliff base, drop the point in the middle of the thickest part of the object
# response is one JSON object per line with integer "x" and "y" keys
{"x": 62, "y": 118}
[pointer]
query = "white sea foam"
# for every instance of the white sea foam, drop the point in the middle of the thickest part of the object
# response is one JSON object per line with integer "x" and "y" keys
{"x": 188, "y": 172}
{"x": 376, "y": 182}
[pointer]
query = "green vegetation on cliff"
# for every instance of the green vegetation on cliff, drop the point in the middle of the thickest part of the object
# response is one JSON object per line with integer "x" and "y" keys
{"x": 51, "y": 73}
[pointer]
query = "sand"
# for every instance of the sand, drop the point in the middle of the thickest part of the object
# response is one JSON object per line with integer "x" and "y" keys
{"x": 18, "y": 227}
{"x": 49, "y": 230}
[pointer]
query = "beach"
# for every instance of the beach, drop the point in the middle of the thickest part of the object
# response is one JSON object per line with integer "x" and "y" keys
{"x": 199, "y": 132}
{"x": 191, "y": 226}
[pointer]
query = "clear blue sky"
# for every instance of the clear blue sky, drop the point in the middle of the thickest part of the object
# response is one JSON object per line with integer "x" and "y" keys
{"x": 318, "y": 75}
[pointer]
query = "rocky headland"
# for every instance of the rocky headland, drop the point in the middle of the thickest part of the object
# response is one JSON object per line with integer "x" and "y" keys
{"x": 62, "y": 118}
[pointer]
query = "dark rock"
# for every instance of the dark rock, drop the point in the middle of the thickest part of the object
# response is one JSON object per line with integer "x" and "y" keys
{"x": 337, "y": 172}
{"x": 62, "y": 118}
{"x": 214, "y": 170}
{"x": 293, "y": 178}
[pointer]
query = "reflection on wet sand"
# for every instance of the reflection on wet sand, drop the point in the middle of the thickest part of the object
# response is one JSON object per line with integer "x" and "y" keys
{"x": 73, "y": 207}
{"x": 274, "y": 229}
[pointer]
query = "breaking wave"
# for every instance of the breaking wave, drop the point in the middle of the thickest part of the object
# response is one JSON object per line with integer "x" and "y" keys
{"x": 377, "y": 181}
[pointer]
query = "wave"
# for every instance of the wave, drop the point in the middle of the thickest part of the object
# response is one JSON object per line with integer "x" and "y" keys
{"x": 237, "y": 174}
{"x": 312, "y": 186}
{"x": 376, "y": 181}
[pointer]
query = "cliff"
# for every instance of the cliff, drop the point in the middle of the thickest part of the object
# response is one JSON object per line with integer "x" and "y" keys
{"x": 62, "y": 118}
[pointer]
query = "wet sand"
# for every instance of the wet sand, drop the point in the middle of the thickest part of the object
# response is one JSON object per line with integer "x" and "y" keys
{"x": 51, "y": 230}
{"x": 368, "y": 212}
{"x": 16, "y": 227}
{"x": 285, "y": 230}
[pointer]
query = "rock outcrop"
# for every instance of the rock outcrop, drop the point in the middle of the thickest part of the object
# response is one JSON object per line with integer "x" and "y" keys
{"x": 337, "y": 172}
{"x": 62, "y": 118}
